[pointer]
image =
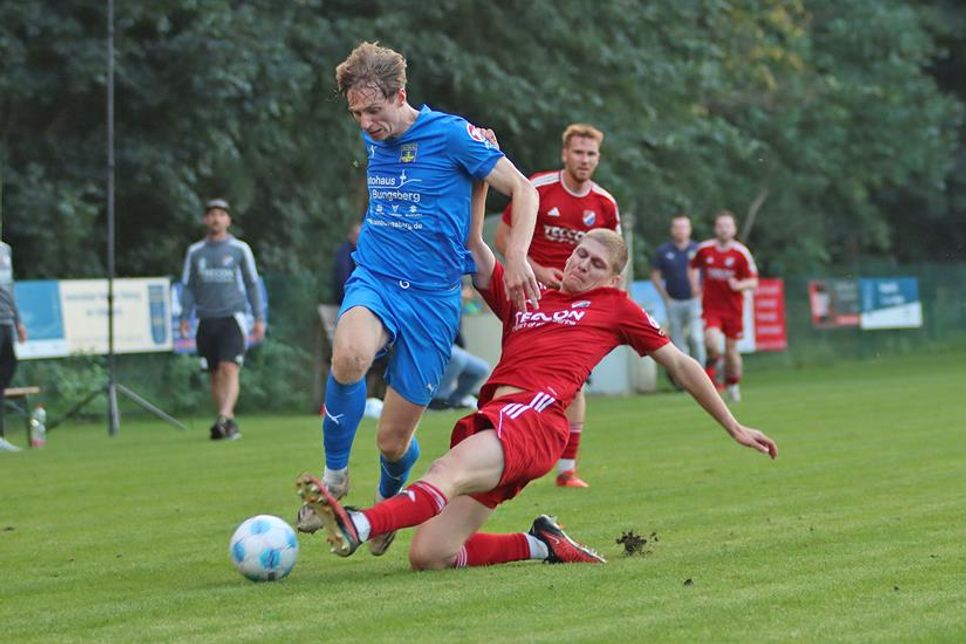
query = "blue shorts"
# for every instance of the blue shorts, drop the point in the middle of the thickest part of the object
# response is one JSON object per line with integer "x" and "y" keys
{"x": 421, "y": 326}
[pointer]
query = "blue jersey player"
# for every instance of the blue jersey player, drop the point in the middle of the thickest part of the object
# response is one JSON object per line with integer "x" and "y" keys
{"x": 404, "y": 295}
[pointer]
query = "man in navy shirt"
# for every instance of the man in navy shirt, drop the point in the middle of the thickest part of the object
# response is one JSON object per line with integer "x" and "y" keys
{"x": 342, "y": 263}
{"x": 669, "y": 273}
{"x": 404, "y": 293}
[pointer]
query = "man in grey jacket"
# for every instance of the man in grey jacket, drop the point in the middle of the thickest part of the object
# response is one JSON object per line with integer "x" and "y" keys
{"x": 10, "y": 327}
{"x": 219, "y": 274}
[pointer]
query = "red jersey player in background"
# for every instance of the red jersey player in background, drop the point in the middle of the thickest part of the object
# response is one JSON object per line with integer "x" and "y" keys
{"x": 521, "y": 426}
{"x": 728, "y": 269}
{"x": 571, "y": 204}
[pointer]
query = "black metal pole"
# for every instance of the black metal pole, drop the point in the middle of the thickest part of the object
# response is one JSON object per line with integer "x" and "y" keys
{"x": 113, "y": 417}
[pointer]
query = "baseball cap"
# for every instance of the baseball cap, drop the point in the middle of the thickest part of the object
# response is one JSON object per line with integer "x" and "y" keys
{"x": 218, "y": 203}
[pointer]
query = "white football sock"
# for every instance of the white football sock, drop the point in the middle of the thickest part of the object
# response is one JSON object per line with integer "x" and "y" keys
{"x": 538, "y": 549}
{"x": 566, "y": 464}
{"x": 363, "y": 527}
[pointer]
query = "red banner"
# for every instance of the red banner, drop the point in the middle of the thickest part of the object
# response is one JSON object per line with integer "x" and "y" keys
{"x": 770, "y": 330}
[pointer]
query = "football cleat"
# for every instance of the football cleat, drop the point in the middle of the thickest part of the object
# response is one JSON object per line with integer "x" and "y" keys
{"x": 307, "y": 520}
{"x": 734, "y": 393}
{"x": 341, "y": 533}
{"x": 570, "y": 479}
{"x": 562, "y": 548}
{"x": 379, "y": 544}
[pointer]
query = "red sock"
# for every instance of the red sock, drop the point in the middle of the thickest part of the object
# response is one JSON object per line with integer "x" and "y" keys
{"x": 711, "y": 368}
{"x": 732, "y": 380}
{"x": 488, "y": 549}
{"x": 573, "y": 443}
{"x": 416, "y": 504}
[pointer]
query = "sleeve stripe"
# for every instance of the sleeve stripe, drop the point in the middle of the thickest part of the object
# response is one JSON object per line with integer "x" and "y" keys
{"x": 247, "y": 254}
{"x": 186, "y": 270}
{"x": 545, "y": 179}
{"x": 741, "y": 248}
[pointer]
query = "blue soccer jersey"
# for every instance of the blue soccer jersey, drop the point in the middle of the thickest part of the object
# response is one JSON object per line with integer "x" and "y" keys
{"x": 420, "y": 186}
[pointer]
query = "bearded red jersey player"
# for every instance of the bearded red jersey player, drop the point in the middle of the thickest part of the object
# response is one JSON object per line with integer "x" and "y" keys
{"x": 571, "y": 204}
{"x": 521, "y": 426}
{"x": 725, "y": 269}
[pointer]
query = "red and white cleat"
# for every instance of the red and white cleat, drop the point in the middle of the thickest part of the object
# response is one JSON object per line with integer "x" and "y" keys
{"x": 341, "y": 533}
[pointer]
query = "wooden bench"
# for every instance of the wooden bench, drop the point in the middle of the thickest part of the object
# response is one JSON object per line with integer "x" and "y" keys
{"x": 19, "y": 399}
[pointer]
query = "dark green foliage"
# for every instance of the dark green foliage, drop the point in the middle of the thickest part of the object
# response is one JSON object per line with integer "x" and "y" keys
{"x": 827, "y": 115}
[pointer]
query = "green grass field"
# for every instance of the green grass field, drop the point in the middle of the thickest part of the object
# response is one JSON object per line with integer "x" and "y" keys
{"x": 855, "y": 533}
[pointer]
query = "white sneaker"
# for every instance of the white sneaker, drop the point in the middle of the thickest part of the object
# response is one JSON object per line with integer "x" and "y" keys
{"x": 378, "y": 545}
{"x": 373, "y": 410}
{"x": 307, "y": 519}
{"x": 734, "y": 393}
{"x": 469, "y": 402}
{"x": 7, "y": 446}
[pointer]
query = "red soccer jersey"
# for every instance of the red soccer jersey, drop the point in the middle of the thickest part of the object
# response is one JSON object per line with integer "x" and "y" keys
{"x": 555, "y": 348}
{"x": 718, "y": 266}
{"x": 564, "y": 217}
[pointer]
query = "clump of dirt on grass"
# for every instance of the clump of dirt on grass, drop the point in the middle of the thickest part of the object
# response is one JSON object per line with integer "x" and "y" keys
{"x": 636, "y": 544}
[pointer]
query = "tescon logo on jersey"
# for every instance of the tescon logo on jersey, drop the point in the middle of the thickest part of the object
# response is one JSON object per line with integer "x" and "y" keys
{"x": 530, "y": 319}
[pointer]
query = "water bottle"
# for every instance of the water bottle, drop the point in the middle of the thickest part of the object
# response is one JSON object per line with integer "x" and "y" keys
{"x": 38, "y": 427}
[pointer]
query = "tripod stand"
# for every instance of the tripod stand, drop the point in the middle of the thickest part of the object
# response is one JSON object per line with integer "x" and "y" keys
{"x": 113, "y": 388}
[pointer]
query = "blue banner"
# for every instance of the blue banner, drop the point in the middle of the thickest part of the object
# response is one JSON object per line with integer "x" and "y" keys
{"x": 890, "y": 303}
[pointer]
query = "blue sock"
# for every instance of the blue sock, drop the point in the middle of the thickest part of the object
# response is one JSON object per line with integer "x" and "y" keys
{"x": 344, "y": 405}
{"x": 393, "y": 475}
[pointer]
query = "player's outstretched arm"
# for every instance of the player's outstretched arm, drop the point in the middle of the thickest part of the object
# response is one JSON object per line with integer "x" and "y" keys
{"x": 688, "y": 373}
{"x": 483, "y": 256}
{"x": 521, "y": 283}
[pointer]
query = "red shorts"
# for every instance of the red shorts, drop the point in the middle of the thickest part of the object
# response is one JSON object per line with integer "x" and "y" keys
{"x": 730, "y": 324}
{"x": 533, "y": 430}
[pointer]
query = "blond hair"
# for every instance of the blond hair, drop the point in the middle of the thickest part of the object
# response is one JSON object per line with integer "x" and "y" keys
{"x": 613, "y": 244}
{"x": 582, "y": 129}
{"x": 370, "y": 65}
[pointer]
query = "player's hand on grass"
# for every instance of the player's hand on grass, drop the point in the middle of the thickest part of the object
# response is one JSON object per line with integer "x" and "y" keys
{"x": 521, "y": 284}
{"x": 756, "y": 440}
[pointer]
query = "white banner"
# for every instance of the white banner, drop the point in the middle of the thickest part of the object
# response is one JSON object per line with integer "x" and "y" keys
{"x": 70, "y": 316}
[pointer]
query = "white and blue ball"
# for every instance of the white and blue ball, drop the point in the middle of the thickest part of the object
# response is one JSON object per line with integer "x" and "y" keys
{"x": 264, "y": 548}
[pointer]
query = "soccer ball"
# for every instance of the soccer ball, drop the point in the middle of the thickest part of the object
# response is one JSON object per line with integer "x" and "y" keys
{"x": 264, "y": 548}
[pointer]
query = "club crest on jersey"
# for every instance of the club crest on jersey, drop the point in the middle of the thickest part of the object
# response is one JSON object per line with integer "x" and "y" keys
{"x": 582, "y": 304}
{"x": 477, "y": 134}
{"x": 589, "y": 217}
{"x": 553, "y": 212}
{"x": 407, "y": 152}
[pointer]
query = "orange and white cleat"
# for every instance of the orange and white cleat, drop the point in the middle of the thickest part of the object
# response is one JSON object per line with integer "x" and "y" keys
{"x": 570, "y": 479}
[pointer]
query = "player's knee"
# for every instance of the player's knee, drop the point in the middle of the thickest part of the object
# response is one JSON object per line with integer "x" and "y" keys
{"x": 426, "y": 557}
{"x": 349, "y": 365}
{"x": 392, "y": 445}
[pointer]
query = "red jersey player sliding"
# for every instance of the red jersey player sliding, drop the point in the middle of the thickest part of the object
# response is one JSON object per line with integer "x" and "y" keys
{"x": 728, "y": 270}
{"x": 571, "y": 204}
{"x": 521, "y": 427}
